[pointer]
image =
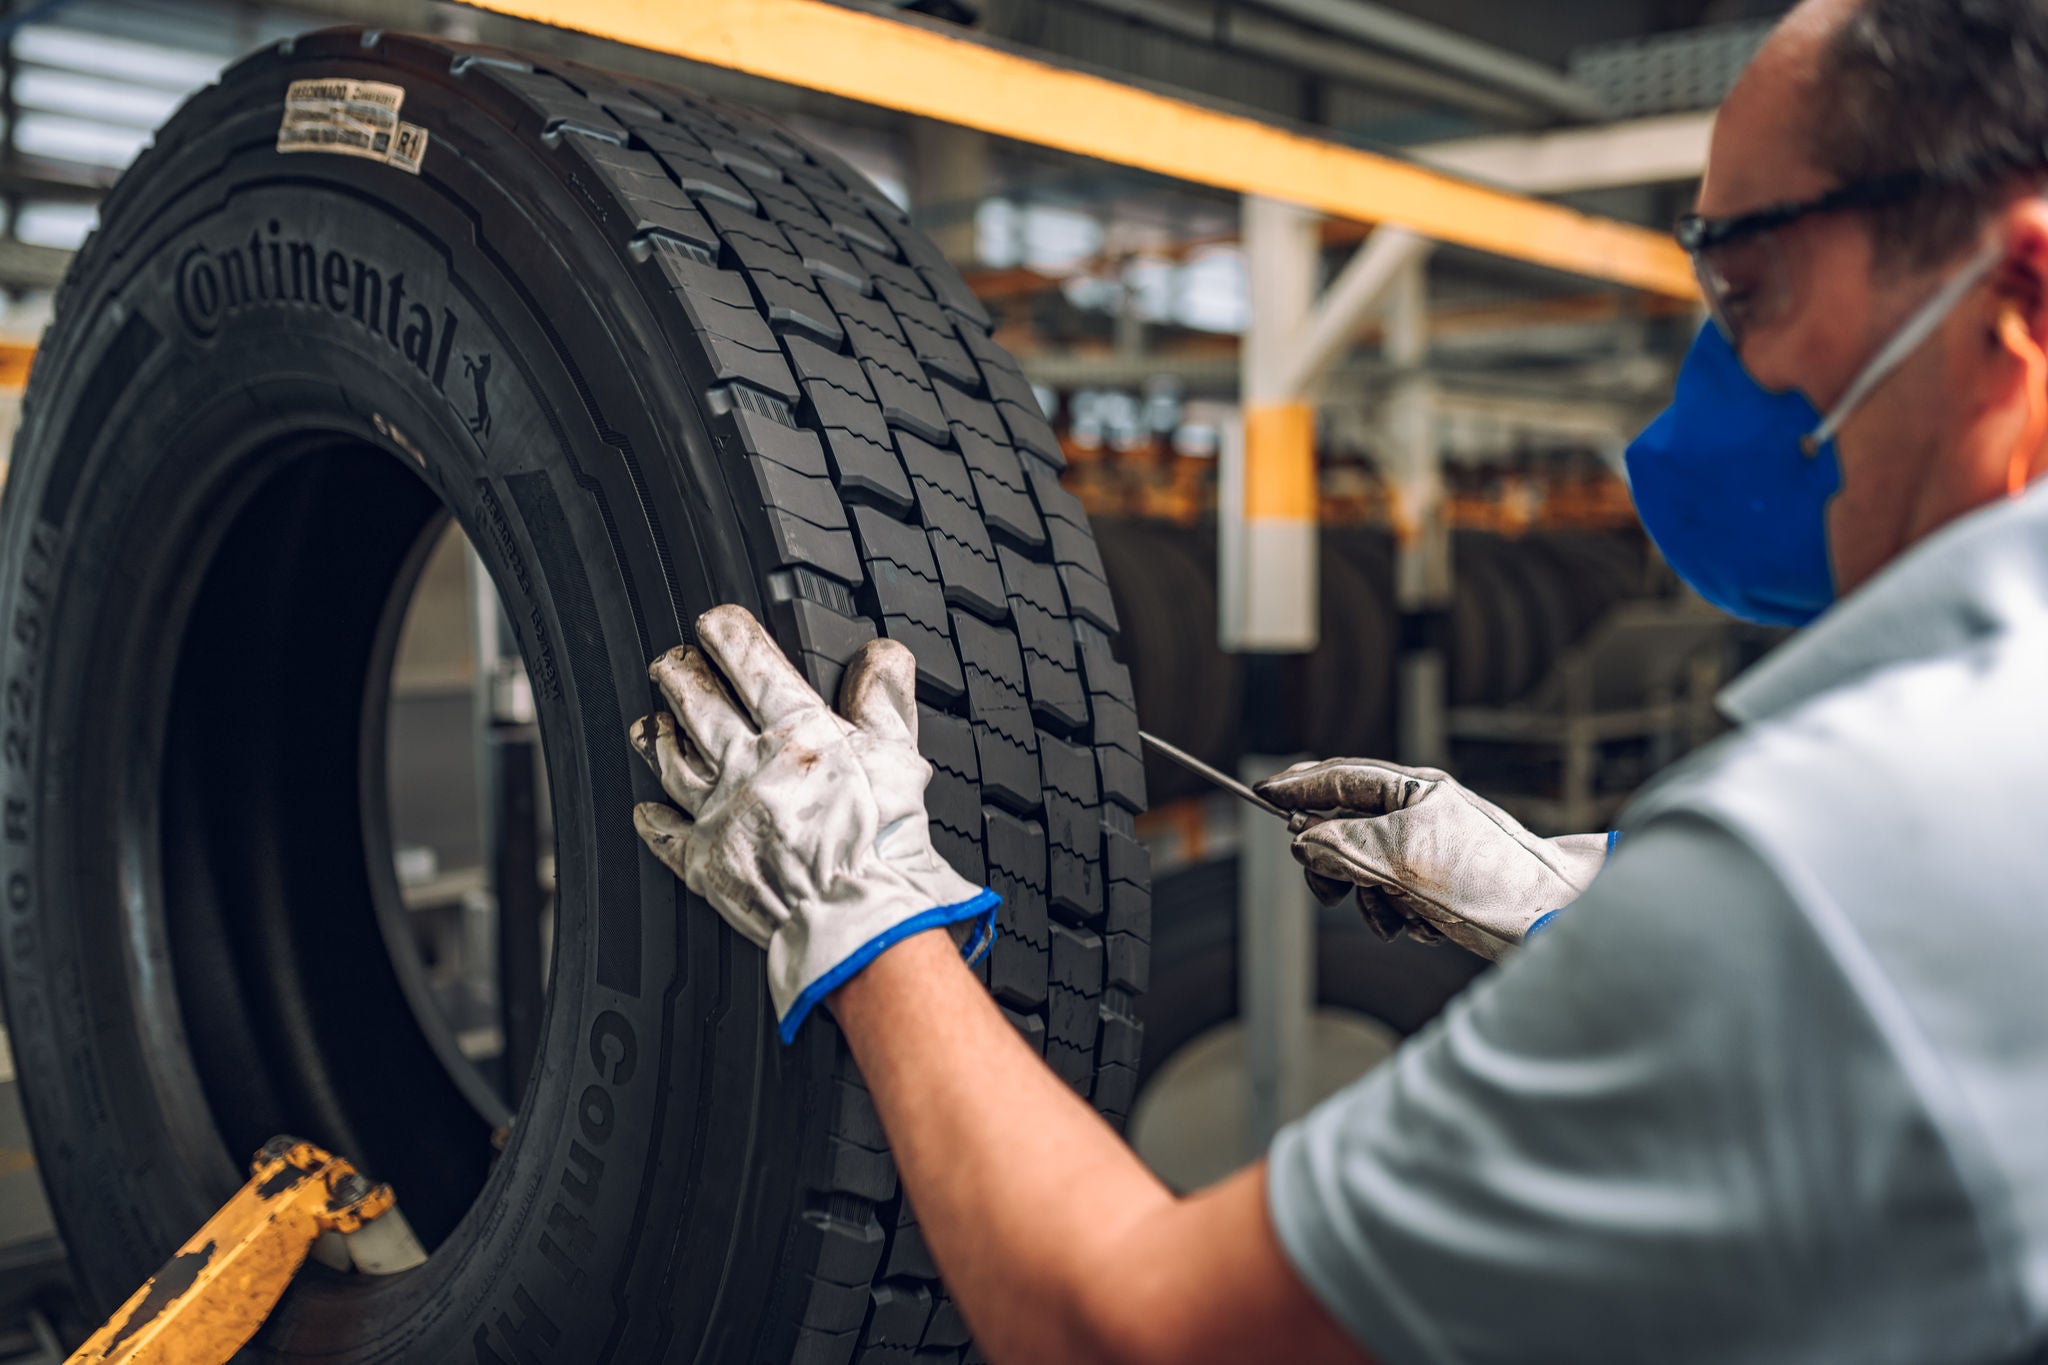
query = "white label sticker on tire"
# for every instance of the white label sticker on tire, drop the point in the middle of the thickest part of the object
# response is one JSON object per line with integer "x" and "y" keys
{"x": 351, "y": 118}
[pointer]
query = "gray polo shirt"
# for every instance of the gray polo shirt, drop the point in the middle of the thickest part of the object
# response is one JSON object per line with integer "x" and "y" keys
{"x": 1776, "y": 1087}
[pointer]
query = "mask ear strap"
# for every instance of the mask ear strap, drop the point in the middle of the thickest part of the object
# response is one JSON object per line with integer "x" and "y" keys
{"x": 1909, "y": 339}
{"x": 2012, "y": 330}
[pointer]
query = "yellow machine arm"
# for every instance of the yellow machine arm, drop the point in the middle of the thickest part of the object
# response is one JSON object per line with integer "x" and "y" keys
{"x": 209, "y": 1299}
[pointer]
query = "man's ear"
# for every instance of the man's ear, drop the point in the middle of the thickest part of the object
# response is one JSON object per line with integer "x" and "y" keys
{"x": 2020, "y": 296}
{"x": 2021, "y": 282}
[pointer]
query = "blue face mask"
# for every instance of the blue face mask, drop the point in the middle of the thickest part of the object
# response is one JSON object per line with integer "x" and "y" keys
{"x": 1733, "y": 481}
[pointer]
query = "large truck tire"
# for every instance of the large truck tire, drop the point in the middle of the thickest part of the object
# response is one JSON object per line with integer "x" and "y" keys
{"x": 652, "y": 353}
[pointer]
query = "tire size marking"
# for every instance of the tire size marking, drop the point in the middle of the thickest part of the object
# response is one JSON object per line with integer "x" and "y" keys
{"x": 351, "y": 118}
{"x": 18, "y": 705}
{"x": 18, "y": 713}
{"x": 540, "y": 659}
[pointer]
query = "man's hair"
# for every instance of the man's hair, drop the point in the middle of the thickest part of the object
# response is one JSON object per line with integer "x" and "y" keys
{"x": 1955, "y": 89}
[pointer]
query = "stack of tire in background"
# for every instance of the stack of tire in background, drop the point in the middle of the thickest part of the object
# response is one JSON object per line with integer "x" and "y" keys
{"x": 1519, "y": 604}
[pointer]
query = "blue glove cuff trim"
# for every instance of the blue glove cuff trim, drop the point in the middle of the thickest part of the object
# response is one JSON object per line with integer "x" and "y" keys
{"x": 1613, "y": 838}
{"x": 1540, "y": 925}
{"x": 981, "y": 906}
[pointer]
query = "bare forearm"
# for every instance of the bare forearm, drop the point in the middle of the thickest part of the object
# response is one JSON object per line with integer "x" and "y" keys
{"x": 1057, "y": 1242}
{"x": 1016, "y": 1181}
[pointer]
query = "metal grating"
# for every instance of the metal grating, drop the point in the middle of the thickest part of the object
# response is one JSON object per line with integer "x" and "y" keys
{"x": 1668, "y": 73}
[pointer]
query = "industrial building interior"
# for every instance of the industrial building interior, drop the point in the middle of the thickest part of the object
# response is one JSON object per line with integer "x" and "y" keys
{"x": 1469, "y": 414}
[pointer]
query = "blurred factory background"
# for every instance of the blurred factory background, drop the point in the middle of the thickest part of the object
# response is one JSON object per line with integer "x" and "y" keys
{"x": 1468, "y": 430}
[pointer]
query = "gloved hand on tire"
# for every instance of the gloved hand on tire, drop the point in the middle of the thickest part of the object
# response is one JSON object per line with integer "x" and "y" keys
{"x": 1427, "y": 856}
{"x": 804, "y": 827}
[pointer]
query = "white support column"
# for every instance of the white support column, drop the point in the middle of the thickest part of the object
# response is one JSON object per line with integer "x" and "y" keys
{"x": 1422, "y": 559}
{"x": 1355, "y": 295}
{"x": 949, "y": 172}
{"x": 1266, "y": 562}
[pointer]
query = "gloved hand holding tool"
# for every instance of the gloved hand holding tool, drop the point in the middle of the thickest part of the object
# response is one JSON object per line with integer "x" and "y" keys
{"x": 804, "y": 828}
{"x": 1427, "y": 855}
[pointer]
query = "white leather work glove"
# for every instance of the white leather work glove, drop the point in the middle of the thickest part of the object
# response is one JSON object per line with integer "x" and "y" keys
{"x": 1428, "y": 855}
{"x": 804, "y": 828}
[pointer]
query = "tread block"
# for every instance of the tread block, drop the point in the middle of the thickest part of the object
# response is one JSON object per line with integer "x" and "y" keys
{"x": 1088, "y": 596}
{"x": 899, "y": 275}
{"x": 995, "y": 667}
{"x": 961, "y": 853}
{"x": 947, "y": 742}
{"x": 632, "y": 173}
{"x": 1070, "y": 770}
{"x": 858, "y": 440}
{"x": 1015, "y": 847}
{"x": 928, "y": 330}
{"x": 901, "y": 1308}
{"x": 1017, "y": 970}
{"x": 696, "y": 172}
{"x": 1060, "y": 505}
{"x": 848, "y": 218}
{"x": 1077, "y": 959}
{"x": 1116, "y": 723}
{"x": 1121, "y": 1040}
{"x": 1074, "y": 1065}
{"x": 955, "y": 802}
{"x": 943, "y": 280}
{"x": 947, "y": 1329}
{"x": 791, "y": 447}
{"x": 790, "y": 499}
{"x": 1116, "y": 1086}
{"x": 1129, "y": 909}
{"x": 722, "y": 312}
{"x": 1126, "y": 860}
{"x": 853, "y": 1169}
{"x": 1017, "y": 871}
{"x": 807, "y": 234}
{"x": 559, "y": 107}
{"x": 1037, "y": 604}
{"x": 893, "y": 370}
{"x": 997, "y": 474}
{"x": 845, "y": 1248}
{"x": 1123, "y": 776}
{"x": 905, "y": 584}
{"x": 1072, "y": 1018}
{"x": 815, "y": 1346}
{"x": 1127, "y": 962}
{"x": 908, "y": 1254}
{"x": 791, "y": 305}
{"x": 854, "y": 1117}
{"x": 1074, "y": 546}
{"x": 1031, "y": 1026}
{"x": 960, "y": 543}
{"x": 1099, "y": 664}
{"x": 1075, "y": 883}
{"x": 828, "y": 639}
{"x": 1009, "y": 769}
{"x": 1006, "y": 383}
{"x": 1071, "y": 824}
{"x": 1029, "y": 429}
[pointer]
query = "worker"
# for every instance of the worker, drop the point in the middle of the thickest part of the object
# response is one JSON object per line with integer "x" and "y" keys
{"x": 1774, "y": 1086}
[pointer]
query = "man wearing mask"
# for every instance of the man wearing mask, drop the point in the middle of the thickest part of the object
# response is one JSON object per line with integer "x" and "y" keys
{"x": 1774, "y": 1084}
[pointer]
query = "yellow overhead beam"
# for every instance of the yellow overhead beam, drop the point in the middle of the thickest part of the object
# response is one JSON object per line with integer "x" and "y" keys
{"x": 968, "y": 81}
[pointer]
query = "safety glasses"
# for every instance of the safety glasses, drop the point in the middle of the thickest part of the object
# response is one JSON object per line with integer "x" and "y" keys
{"x": 1740, "y": 260}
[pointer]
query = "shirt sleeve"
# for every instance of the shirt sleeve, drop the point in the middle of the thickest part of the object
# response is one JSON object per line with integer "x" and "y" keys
{"x": 1667, "y": 1130}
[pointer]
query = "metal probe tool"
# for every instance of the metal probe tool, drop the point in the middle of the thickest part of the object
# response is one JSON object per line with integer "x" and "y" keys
{"x": 1215, "y": 776}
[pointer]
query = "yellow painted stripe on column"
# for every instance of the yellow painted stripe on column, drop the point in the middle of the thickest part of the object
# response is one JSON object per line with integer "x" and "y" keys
{"x": 1280, "y": 462}
{"x": 974, "y": 82}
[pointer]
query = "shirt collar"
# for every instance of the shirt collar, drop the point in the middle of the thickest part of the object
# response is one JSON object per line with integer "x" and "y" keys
{"x": 1976, "y": 577}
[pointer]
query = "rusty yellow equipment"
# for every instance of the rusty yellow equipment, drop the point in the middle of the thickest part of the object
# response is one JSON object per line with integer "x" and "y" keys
{"x": 209, "y": 1299}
